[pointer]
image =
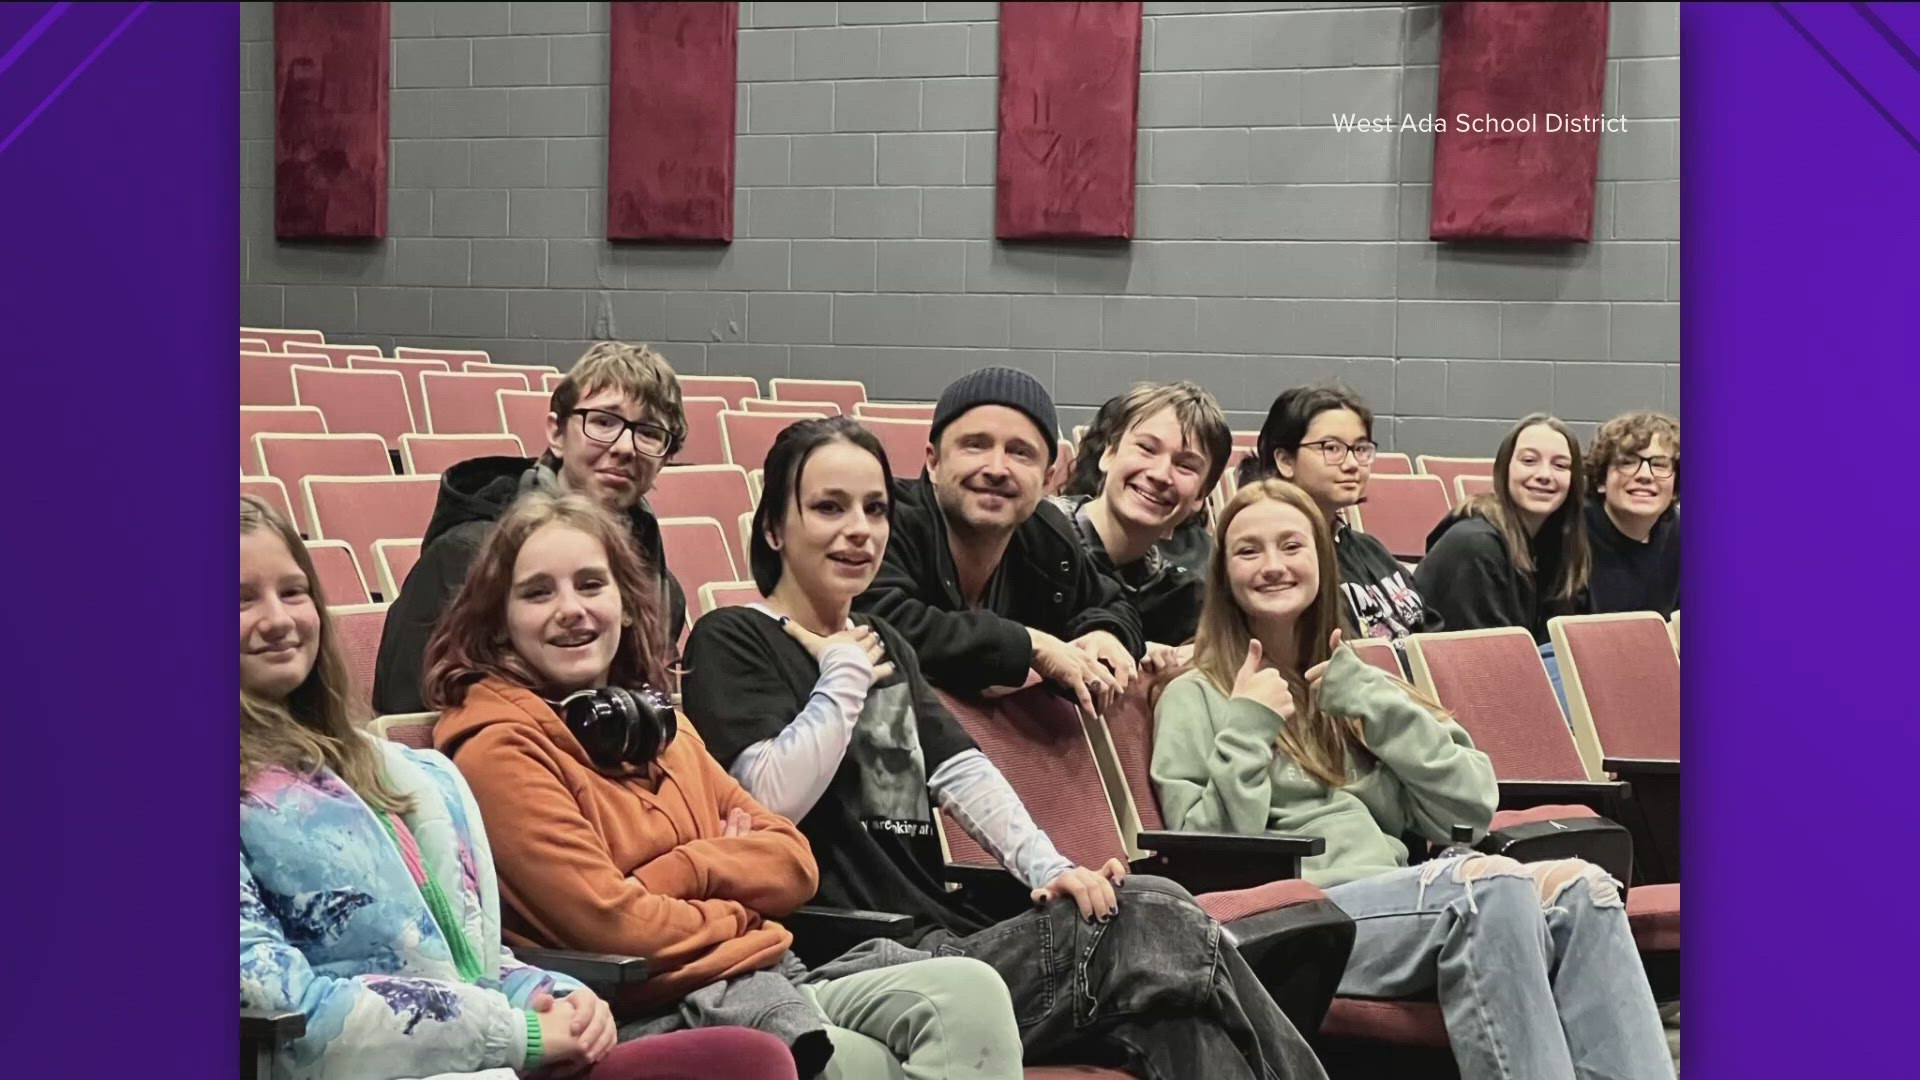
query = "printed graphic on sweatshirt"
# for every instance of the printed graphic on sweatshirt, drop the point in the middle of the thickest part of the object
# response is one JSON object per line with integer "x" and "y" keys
{"x": 893, "y": 770}
{"x": 1388, "y": 608}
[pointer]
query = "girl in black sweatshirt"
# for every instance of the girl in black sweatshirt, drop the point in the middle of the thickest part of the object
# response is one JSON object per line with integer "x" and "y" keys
{"x": 1518, "y": 555}
{"x": 1321, "y": 439}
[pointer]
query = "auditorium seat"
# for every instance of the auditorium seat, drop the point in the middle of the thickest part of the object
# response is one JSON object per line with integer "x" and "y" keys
{"x": 341, "y": 580}
{"x": 414, "y": 729}
{"x": 1038, "y": 740}
{"x": 274, "y": 420}
{"x": 1466, "y": 487}
{"x": 293, "y": 458}
{"x": 392, "y": 561}
{"x": 1449, "y": 469}
{"x": 1380, "y": 653}
{"x": 461, "y": 403}
{"x": 358, "y": 627}
{"x": 1062, "y": 468}
{"x": 703, "y": 445}
{"x": 1400, "y": 511}
{"x": 362, "y": 509}
{"x": 894, "y": 410}
{"x": 1622, "y": 678}
{"x": 809, "y": 408}
{"x": 425, "y": 454}
{"x": 410, "y": 371}
{"x": 254, "y": 344}
{"x": 734, "y": 388}
{"x": 1246, "y": 440}
{"x": 374, "y": 401}
{"x": 336, "y": 355}
{"x": 845, "y": 394}
{"x": 745, "y": 529}
{"x": 277, "y": 339}
{"x": 453, "y": 358}
{"x": 697, "y": 552}
{"x": 533, "y": 372}
{"x": 523, "y": 413}
{"x": 704, "y": 491}
{"x": 905, "y": 441}
{"x": 1673, "y": 625}
{"x": 270, "y": 490}
{"x": 551, "y": 381}
{"x": 267, "y": 378}
{"x": 756, "y": 478}
{"x": 747, "y": 436}
{"x": 1391, "y": 464}
{"x": 719, "y": 594}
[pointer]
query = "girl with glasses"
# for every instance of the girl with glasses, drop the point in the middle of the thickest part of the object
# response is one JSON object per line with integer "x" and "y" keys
{"x": 1321, "y": 440}
{"x": 367, "y": 890}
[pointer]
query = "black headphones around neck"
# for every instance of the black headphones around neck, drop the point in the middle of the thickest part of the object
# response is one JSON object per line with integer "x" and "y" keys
{"x": 618, "y": 726}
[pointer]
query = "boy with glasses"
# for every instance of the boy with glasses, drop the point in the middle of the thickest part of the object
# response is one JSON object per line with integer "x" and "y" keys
{"x": 614, "y": 421}
{"x": 1634, "y": 525}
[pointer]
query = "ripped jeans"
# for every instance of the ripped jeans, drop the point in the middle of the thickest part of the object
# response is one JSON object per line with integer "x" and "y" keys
{"x": 1533, "y": 964}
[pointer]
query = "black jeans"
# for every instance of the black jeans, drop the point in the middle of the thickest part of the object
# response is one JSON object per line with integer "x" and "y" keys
{"x": 1158, "y": 991}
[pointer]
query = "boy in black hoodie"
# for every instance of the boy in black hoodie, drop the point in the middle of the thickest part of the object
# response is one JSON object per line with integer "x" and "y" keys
{"x": 615, "y": 420}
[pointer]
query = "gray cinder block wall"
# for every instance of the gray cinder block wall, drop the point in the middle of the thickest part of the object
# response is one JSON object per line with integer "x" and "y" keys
{"x": 1270, "y": 248}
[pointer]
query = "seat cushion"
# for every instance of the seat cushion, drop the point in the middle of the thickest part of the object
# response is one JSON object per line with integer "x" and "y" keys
{"x": 1507, "y": 819}
{"x": 1231, "y": 904}
{"x": 1654, "y": 913}
{"x": 1073, "y": 1072}
{"x": 1404, "y": 1023}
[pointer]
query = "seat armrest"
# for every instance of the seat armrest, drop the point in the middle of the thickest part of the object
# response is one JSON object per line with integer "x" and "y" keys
{"x": 1598, "y": 840}
{"x": 822, "y": 933}
{"x": 1217, "y": 862}
{"x": 991, "y": 890}
{"x": 1605, "y": 796}
{"x": 598, "y": 970}
{"x": 271, "y": 1025}
{"x": 1641, "y": 766}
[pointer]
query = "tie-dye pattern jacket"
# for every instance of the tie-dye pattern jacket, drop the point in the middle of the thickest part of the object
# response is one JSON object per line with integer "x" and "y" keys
{"x": 333, "y": 925}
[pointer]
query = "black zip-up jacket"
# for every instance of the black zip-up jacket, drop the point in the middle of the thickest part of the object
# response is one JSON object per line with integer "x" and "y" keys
{"x": 1045, "y": 581}
{"x": 473, "y": 495}
{"x": 1163, "y": 585}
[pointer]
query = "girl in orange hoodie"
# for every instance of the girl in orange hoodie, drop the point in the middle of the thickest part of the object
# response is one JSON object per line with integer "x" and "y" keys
{"x": 616, "y": 832}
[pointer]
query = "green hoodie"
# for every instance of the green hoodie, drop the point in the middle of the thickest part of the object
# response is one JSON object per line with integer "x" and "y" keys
{"x": 1217, "y": 768}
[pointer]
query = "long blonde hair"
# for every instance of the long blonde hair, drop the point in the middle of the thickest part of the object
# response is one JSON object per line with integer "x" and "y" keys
{"x": 315, "y": 727}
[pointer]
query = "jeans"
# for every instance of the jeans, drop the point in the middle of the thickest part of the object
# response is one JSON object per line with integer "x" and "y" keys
{"x": 1552, "y": 664}
{"x": 927, "y": 1020}
{"x": 1534, "y": 966}
{"x": 1158, "y": 990}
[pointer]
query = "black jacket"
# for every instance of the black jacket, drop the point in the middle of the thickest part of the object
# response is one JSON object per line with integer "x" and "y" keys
{"x": 473, "y": 495}
{"x": 1627, "y": 574}
{"x": 1378, "y": 594}
{"x": 1164, "y": 586}
{"x": 1045, "y": 581}
{"x": 1468, "y": 579}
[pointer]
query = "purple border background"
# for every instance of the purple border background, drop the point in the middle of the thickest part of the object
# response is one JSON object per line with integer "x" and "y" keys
{"x": 1801, "y": 222}
{"x": 1801, "y": 215}
{"x": 119, "y": 312}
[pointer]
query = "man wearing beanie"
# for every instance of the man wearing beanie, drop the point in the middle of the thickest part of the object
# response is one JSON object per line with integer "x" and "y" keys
{"x": 983, "y": 578}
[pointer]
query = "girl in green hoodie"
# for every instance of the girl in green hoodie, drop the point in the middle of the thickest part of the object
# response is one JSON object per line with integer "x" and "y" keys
{"x": 1278, "y": 729}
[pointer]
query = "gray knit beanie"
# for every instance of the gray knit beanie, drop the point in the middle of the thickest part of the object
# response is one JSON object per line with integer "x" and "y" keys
{"x": 999, "y": 386}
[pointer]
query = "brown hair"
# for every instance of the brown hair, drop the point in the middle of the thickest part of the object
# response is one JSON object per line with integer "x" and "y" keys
{"x": 315, "y": 727}
{"x": 470, "y": 642}
{"x": 1316, "y": 743}
{"x": 637, "y": 371}
{"x": 1196, "y": 410}
{"x": 1626, "y": 436}
{"x": 1564, "y": 533}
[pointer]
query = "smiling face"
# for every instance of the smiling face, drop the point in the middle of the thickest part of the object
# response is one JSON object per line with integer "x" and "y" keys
{"x": 989, "y": 469}
{"x": 279, "y": 621}
{"x": 836, "y": 526}
{"x": 1272, "y": 565}
{"x": 1633, "y": 493}
{"x": 563, "y": 609}
{"x": 1332, "y": 487}
{"x": 1155, "y": 474}
{"x": 1540, "y": 474}
{"x": 614, "y": 474}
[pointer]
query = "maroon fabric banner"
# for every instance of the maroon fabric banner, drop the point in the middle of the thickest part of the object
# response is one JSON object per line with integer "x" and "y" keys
{"x": 1537, "y": 69}
{"x": 1069, "y": 102}
{"x": 329, "y": 120}
{"x": 670, "y": 121}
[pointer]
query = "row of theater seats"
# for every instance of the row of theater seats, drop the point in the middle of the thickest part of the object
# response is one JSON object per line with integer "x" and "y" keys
{"x": 1086, "y": 781}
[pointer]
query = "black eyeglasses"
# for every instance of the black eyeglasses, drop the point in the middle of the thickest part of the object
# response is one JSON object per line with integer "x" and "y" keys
{"x": 1660, "y": 467}
{"x": 1333, "y": 451}
{"x": 649, "y": 437}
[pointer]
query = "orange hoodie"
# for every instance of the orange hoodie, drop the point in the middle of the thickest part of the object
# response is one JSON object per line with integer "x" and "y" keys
{"x": 631, "y": 861}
